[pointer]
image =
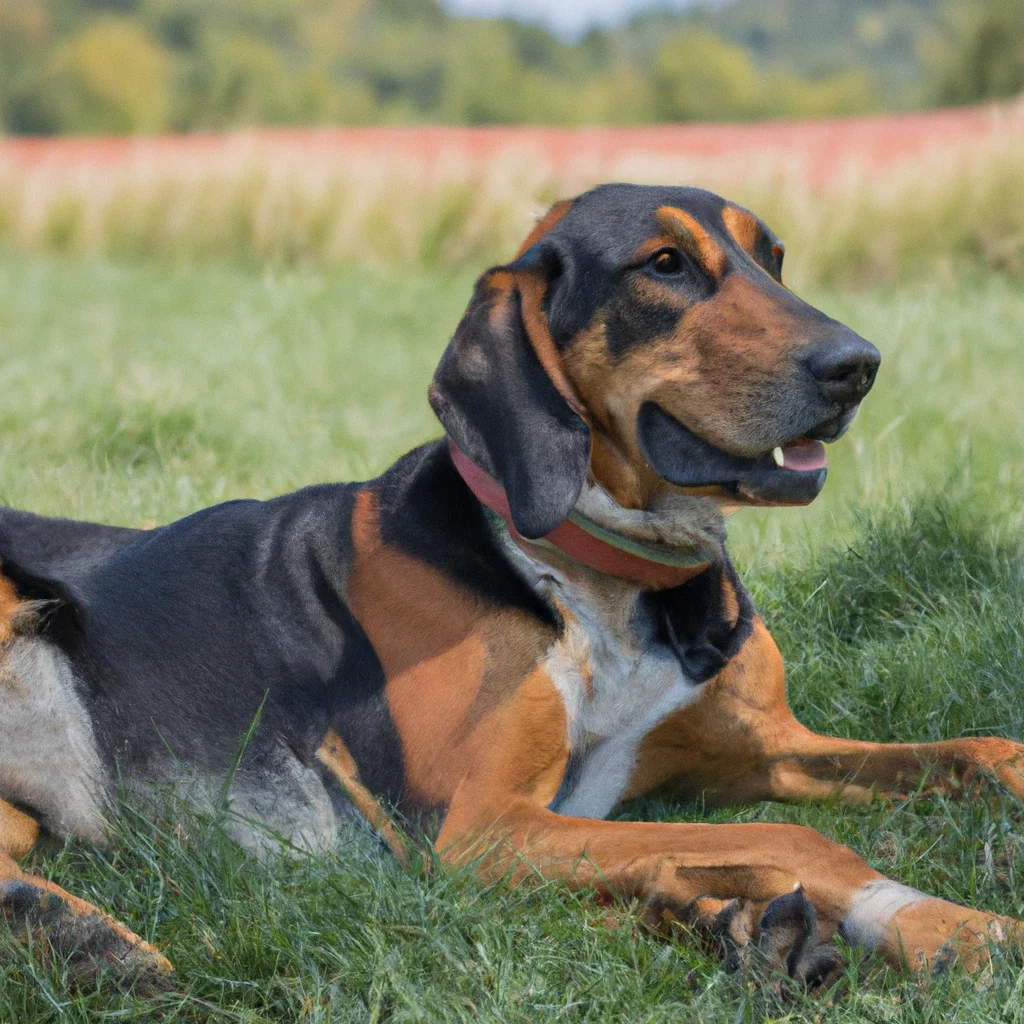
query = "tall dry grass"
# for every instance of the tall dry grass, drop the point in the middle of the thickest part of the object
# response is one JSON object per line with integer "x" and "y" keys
{"x": 938, "y": 214}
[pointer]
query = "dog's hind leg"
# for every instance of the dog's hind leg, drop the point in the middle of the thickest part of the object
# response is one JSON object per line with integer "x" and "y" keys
{"x": 49, "y": 762}
{"x": 18, "y": 833}
{"x": 91, "y": 940}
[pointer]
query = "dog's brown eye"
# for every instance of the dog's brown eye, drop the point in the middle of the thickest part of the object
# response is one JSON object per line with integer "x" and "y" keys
{"x": 668, "y": 261}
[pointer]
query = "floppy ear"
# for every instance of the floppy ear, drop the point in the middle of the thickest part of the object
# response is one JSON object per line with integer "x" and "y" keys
{"x": 504, "y": 399}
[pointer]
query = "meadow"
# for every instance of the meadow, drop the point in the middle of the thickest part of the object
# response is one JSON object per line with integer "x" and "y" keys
{"x": 183, "y": 322}
{"x": 135, "y": 392}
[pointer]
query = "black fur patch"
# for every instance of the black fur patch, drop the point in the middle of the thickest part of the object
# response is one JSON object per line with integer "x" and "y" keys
{"x": 633, "y": 323}
{"x": 183, "y": 636}
{"x": 691, "y": 620}
{"x": 459, "y": 541}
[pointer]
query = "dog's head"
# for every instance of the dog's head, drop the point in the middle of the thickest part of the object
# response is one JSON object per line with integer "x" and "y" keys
{"x": 644, "y": 334}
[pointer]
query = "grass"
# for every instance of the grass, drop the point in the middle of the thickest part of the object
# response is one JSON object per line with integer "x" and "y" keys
{"x": 134, "y": 393}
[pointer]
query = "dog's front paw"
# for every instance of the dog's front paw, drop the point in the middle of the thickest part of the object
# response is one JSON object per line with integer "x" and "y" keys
{"x": 987, "y": 759}
{"x": 932, "y": 934}
{"x": 92, "y": 942}
{"x": 1005, "y": 760}
{"x": 780, "y": 938}
{"x": 788, "y": 940}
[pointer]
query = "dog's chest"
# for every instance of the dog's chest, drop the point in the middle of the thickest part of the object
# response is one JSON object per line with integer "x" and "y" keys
{"x": 617, "y": 684}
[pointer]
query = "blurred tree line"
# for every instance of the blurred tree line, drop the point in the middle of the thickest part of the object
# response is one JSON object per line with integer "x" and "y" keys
{"x": 121, "y": 66}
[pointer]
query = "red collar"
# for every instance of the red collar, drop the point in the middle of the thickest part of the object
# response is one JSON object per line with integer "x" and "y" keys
{"x": 584, "y": 540}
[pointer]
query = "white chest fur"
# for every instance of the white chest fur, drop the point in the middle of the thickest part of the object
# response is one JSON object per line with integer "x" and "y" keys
{"x": 616, "y": 682}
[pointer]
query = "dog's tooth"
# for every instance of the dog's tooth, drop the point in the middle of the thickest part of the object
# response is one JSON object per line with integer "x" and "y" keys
{"x": 779, "y": 458}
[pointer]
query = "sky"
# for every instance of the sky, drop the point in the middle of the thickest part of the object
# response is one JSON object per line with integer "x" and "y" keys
{"x": 567, "y": 17}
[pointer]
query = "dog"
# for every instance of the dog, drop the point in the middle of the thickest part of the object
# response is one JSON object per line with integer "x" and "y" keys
{"x": 513, "y": 630}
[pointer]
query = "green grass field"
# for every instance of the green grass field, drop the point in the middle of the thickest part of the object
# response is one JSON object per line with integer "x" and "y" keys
{"x": 137, "y": 393}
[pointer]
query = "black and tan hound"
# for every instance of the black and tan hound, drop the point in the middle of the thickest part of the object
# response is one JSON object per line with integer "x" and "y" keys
{"x": 513, "y": 630}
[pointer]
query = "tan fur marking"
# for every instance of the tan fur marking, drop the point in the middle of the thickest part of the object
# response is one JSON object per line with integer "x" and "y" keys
{"x": 533, "y": 289}
{"x": 612, "y": 469}
{"x": 459, "y": 675}
{"x": 659, "y": 242}
{"x": 9, "y": 605}
{"x": 335, "y": 756}
{"x": 18, "y": 832}
{"x": 744, "y": 227}
{"x": 732, "y": 607}
{"x": 691, "y": 235}
{"x": 545, "y": 224}
{"x": 502, "y": 284}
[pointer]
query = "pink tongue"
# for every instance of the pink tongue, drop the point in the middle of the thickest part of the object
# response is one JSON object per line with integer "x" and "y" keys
{"x": 804, "y": 455}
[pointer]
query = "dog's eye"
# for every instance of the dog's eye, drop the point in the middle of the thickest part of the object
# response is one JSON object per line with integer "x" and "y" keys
{"x": 768, "y": 253}
{"x": 667, "y": 261}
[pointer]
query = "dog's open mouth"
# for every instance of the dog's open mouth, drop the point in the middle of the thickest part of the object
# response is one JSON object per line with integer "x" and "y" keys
{"x": 803, "y": 455}
{"x": 790, "y": 474}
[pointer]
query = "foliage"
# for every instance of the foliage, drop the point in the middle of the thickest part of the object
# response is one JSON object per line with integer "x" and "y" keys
{"x": 109, "y": 78}
{"x": 124, "y": 66}
{"x": 697, "y": 75}
{"x": 987, "y": 58}
{"x": 144, "y": 392}
{"x": 821, "y": 38}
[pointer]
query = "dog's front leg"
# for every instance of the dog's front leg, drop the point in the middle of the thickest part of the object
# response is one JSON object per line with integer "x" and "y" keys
{"x": 816, "y": 766}
{"x": 500, "y": 775}
{"x": 752, "y": 886}
{"x": 740, "y": 742}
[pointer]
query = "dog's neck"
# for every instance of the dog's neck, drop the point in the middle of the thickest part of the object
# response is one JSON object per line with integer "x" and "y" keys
{"x": 659, "y": 547}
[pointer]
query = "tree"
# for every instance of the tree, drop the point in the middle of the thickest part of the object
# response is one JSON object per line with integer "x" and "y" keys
{"x": 25, "y": 31}
{"x": 109, "y": 78}
{"x": 987, "y": 59}
{"x": 699, "y": 76}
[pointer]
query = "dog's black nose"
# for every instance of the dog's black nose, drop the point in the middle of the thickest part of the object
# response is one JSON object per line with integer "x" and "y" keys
{"x": 844, "y": 368}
